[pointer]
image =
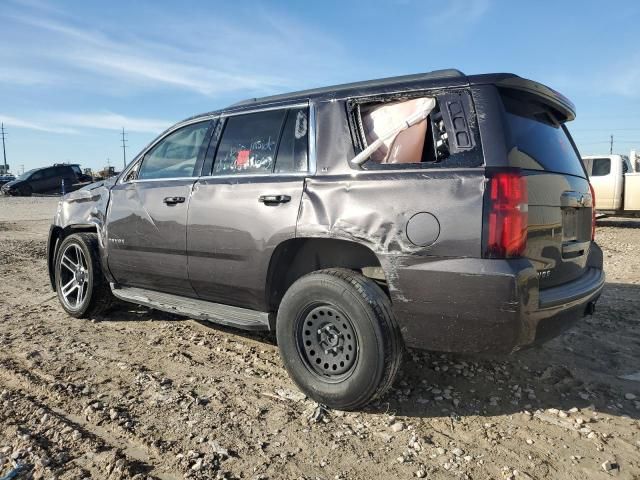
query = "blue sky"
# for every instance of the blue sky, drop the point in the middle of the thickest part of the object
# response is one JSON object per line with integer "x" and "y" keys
{"x": 73, "y": 73}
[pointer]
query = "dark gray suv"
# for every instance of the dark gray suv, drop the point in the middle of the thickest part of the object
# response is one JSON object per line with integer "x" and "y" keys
{"x": 436, "y": 211}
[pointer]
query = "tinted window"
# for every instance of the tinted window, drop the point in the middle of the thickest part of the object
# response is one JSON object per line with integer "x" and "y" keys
{"x": 39, "y": 175}
{"x": 601, "y": 167}
{"x": 249, "y": 142}
{"x": 176, "y": 154}
{"x": 76, "y": 169}
{"x": 26, "y": 175}
{"x": 292, "y": 151}
{"x": 536, "y": 141}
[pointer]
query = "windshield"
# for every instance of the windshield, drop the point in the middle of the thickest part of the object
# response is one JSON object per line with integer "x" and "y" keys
{"x": 26, "y": 174}
{"x": 536, "y": 141}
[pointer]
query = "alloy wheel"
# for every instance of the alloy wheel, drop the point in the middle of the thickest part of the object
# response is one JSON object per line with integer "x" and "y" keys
{"x": 74, "y": 276}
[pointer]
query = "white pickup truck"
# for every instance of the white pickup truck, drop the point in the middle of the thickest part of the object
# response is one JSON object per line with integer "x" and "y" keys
{"x": 616, "y": 183}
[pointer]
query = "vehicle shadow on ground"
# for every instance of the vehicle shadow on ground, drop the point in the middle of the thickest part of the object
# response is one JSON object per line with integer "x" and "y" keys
{"x": 580, "y": 368}
{"x": 125, "y": 312}
{"x": 618, "y": 222}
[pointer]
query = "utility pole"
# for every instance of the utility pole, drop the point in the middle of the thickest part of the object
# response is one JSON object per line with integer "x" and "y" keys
{"x": 4, "y": 151}
{"x": 611, "y": 146}
{"x": 124, "y": 149}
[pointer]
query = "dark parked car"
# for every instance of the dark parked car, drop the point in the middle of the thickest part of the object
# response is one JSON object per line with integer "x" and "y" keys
{"x": 436, "y": 211}
{"x": 6, "y": 178}
{"x": 46, "y": 179}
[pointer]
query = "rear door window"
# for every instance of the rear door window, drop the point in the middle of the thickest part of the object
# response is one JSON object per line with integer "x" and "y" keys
{"x": 264, "y": 143}
{"x": 536, "y": 140}
{"x": 601, "y": 167}
{"x": 293, "y": 149}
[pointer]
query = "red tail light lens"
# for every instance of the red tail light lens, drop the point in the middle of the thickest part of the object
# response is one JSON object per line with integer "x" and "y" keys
{"x": 506, "y": 215}
{"x": 593, "y": 212}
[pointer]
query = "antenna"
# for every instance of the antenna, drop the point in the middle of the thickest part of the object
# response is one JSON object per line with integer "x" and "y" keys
{"x": 124, "y": 149}
{"x": 4, "y": 151}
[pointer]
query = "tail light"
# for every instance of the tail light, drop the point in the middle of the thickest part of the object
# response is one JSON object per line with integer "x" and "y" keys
{"x": 593, "y": 213}
{"x": 506, "y": 215}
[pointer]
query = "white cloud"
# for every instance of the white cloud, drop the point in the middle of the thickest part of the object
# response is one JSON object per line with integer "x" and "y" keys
{"x": 73, "y": 123}
{"x": 110, "y": 121}
{"x": 458, "y": 12}
{"x": 624, "y": 79}
{"x": 209, "y": 56}
{"x": 26, "y": 76}
{"x": 10, "y": 121}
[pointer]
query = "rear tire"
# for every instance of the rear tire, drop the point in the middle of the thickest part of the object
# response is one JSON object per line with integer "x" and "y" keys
{"x": 82, "y": 289}
{"x": 338, "y": 338}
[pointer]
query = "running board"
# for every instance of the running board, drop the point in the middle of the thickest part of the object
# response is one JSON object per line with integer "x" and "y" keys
{"x": 194, "y": 308}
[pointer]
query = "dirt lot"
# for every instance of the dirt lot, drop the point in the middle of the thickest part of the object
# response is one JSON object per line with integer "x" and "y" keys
{"x": 143, "y": 394}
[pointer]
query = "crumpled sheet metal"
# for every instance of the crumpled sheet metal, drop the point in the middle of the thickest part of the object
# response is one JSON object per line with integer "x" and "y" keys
{"x": 373, "y": 209}
{"x": 87, "y": 206}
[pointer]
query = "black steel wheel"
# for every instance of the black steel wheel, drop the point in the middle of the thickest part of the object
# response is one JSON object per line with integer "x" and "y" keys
{"x": 327, "y": 342}
{"x": 338, "y": 338}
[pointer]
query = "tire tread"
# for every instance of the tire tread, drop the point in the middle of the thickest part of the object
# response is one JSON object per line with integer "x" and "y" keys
{"x": 380, "y": 303}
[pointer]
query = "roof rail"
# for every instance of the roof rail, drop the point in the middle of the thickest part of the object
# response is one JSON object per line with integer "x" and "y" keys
{"x": 435, "y": 74}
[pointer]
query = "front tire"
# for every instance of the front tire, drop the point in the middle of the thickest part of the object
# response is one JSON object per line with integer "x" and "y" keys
{"x": 81, "y": 287}
{"x": 338, "y": 338}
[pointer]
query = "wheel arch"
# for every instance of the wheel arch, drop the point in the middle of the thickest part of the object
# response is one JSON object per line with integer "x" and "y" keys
{"x": 56, "y": 235}
{"x": 297, "y": 257}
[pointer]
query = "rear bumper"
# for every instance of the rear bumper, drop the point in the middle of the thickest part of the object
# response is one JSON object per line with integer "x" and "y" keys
{"x": 480, "y": 305}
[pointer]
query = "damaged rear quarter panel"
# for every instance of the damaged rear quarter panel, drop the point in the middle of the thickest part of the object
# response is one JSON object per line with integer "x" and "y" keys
{"x": 373, "y": 208}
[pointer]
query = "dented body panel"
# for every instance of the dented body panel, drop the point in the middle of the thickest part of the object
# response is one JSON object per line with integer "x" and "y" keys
{"x": 84, "y": 209}
{"x": 420, "y": 229}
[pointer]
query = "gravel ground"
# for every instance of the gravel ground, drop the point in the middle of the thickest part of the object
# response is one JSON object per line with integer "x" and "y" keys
{"x": 142, "y": 394}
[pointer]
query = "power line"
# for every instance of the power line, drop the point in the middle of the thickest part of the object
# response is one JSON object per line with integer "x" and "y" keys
{"x": 609, "y": 141}
{"x": 4, "y": 151}
{"x": 604, "y": 129}
{"x": 124, "y": 149}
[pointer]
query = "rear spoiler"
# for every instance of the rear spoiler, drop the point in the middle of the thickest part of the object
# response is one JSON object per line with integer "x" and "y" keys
{"x": 564, "y": 107}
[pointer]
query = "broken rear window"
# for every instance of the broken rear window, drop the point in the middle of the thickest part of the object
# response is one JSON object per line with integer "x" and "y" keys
{"x": 407, "y": 146}
{"x": 414, "y": 132}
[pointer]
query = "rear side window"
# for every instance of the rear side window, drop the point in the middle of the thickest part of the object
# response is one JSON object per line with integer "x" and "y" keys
{"x": 442, "y": 130}
{"x": 601, "y": 167}
{"x": 263, "y": 142}
{"x": 536, "y": 140}
{"x": 406, "y": 147}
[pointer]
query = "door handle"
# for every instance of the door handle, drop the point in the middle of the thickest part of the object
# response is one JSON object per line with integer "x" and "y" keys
{"x": 173, "y": 200}
{"x": 273, "y": 199}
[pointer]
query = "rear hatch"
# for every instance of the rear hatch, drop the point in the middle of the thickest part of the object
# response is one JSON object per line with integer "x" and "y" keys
{"x": 559, "y": 229}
